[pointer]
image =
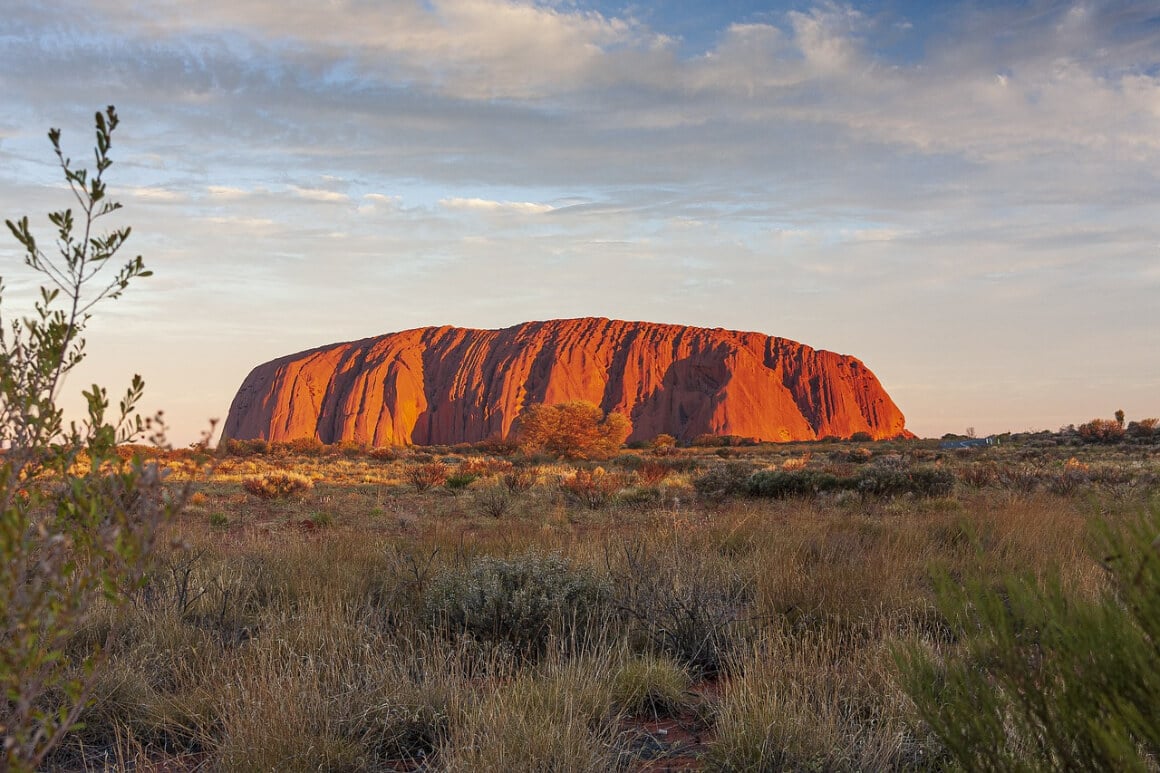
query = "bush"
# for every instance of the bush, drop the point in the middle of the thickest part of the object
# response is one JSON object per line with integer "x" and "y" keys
{"x": 493, "y": 501}
{"x": 1101, "y": 431}
{"x": 652, "y": 473}
{"x": 1144, "y": 428}
{"x": 781, "y": 484}
{"x": 686, "y": 606}
{"x": 1047, "y": 681}
{"x": 664, "y": 445}
{"x": 723, "y": 480}
{"x": 574, "y": 430}
{"x": 460, "y": 480}
{"x": 427, "y": 475}
{"x": 520, "y": 479}
{"x": 78, "y": 521}
{"x": 890, "y": 481}
{"x": 516, "y": 603}
{"x": 277, "y": 484}
{"x": 255, "y": 447}
{"x": 591, "y": 488}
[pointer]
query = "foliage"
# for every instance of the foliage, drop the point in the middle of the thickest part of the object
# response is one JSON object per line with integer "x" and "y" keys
{"x": 780, "y": 484}
{"x": 460, "y": 480}
{"x": 572, "y": 430}
{"x": 277, "y": 484}
{"x": 1101, "y": 431}
{"x": 1143, "y": 428}
{"x": 723, "y": 480}
{"x": 591, "y": 488}
{"x": 686, "y": 608}
{"x": 424, "y": 476}
{"x": 493, "y": 501}
{"x": 921, "y": 481}
{"x": 520, "y": 479}
{"x": 874, "y": 480}
{"x": 519, "y": 602}
{"x": 1047, "y": 680}
{"x": 664, "y": 445}
{"x": 78, "y": 521}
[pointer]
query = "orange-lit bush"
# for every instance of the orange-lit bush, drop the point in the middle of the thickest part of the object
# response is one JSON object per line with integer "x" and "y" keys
{"x": 1101, "y": 431}
{"x": 573, "y": 430}
{"x": 277, "y": 484}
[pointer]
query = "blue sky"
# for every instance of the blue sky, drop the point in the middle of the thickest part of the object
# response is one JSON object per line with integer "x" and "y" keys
{"x": 964, "y": 195}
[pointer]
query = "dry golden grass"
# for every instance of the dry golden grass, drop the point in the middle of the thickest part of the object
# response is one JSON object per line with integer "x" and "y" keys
{"x": 294, "y": 633}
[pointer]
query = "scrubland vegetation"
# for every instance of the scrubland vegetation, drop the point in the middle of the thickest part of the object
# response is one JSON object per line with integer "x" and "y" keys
{"x": 747, "y": 608}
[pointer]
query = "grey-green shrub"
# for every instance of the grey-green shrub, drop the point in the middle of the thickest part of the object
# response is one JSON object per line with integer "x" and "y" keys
{"x": 782, "y": 484}
{"x": 516, "y": 603}
{"x": 723, "y": 480}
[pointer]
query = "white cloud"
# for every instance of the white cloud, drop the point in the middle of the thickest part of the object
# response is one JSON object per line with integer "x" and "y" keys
{"x": 156, "y": 194}
{"x": 226, "y": 192}
{"x": 487, "y": 205}
{"x": 319, "y": 194}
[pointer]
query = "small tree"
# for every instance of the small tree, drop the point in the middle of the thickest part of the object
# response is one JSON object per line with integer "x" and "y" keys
{"x": 1101, "y": 431}
{"x": 573, "y": 430}
{"x": 77, "y": 522}
{"x": 664, "y": 444}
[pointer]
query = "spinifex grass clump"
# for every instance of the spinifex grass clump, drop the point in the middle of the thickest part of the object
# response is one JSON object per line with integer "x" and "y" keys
{"x": 277, "y": 484}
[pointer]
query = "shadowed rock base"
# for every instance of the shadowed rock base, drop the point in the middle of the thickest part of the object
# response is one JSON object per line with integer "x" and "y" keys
{"x": 441, "y": 385}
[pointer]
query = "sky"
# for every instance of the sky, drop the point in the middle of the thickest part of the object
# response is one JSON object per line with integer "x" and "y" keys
{"x": 964, "y": 195}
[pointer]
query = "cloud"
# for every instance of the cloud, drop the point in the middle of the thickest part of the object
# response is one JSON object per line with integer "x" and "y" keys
{"x": 319, "y": 194}
{"x": 488, "y": 206}
{"x": 226, "y": 192}
{"x": 155, "y": 194}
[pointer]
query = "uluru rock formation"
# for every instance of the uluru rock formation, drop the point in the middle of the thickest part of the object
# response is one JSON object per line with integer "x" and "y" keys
{"x": 441, "y": 385}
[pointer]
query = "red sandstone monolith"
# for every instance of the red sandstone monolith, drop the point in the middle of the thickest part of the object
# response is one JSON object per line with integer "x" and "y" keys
{"x": 442, "y": 385}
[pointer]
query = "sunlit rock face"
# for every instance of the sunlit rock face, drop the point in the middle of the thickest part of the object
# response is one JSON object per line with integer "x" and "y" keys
{"x": 442, "y": 385}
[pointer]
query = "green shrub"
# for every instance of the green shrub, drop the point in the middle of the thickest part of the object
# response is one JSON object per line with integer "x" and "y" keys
{"x": 640, "y": 497}
{"x": 255, "y": 447}
{"x": 78, "y": 520}
{"x": 1046, "y": 680}
{"x": 460, "y": 480}
{"x": 1144, "y": 428}
{"x": 516, "y": 603}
